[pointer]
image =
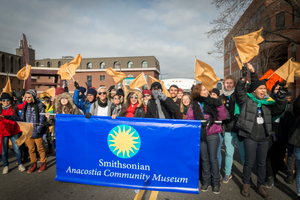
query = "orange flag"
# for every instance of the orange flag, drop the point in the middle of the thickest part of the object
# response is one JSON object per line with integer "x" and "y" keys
{"x": 117, "y": 76}
{"x": 239, "y": 62}
{"x": 68, "y": 70}
{"x": 24, "y": 72}
{"x": 288, "y": 70}
{"x": 247, "y": 45}
{"x": 7, "y": 88}
{"x": 164, "y": 89}
{"x": 27, "y": 131}
{"x": 49, "y": 93}
{"x": 273, "y": 78}
{"x": 207, "y": 75}
{"x": 139, "y": 81}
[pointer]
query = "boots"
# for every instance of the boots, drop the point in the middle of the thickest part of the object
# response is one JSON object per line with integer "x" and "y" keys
{"x": 263, "y": 192}
{"x": 270, "y": 182}
{"x": 245, "y": 191}
{"x": 32, "y": 168}
{"x": 42, "y": 167}
{"x": 290, "y": 178}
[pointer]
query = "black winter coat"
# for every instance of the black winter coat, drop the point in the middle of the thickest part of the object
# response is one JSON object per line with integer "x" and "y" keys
{"x": 295, "y": 138}
{"x": 168, "y": 107}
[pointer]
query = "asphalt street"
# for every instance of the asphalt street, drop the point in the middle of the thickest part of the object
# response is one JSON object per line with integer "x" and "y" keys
{"x": 20, "y": 185}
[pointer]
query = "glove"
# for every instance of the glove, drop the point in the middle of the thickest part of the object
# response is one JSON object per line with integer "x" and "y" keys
{"x": 46, "y": 124}
{"x": 281, "y": 93}
{"x": 45, "y": 138}
{"x": 111, "y": 88}
{"x": 88, "y": 84}
{"x": 244, "y": 72}
{"x": 88, "y": 115}
{"x": 7, "y": 117}
{"x": 76, "y": 85}
{"x": 161, "y": 96}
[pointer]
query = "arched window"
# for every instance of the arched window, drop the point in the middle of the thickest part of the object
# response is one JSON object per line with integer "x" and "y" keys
{"x": 20, "y": 63}
{"x": 12, "y": 64}
{"x": 89, "y": 65}
{"x": 37, "y": 64}
{"x": 59, "y": 64}
{"x": 116, "y": 65}
{"x": 102, "y": 65}
{"x": 294, "y": 52}
{"x": 3, "y": 63}
{"x": 144, "y": 64}
{"x": 49, "y": 64}
{"x": 130, "y": 64}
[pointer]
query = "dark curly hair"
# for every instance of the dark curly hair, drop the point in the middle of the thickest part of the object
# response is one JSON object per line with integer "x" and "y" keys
{"x": 196, "y": 91}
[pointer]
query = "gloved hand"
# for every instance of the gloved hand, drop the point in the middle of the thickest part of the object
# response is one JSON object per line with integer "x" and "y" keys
{"x": 111, "y": 88}
{"x": 161, "y": 96}
{"x": 281, "y": 93}
{"x": 76, "y": 85}
{"x": 88, "y": 115}
{"x": 46, "y": 124}
{"x": 7, "y": 117}
{"x": 244, "y": 72}
{"x": 45, "y": 138}
{"x": 88, "y": 84}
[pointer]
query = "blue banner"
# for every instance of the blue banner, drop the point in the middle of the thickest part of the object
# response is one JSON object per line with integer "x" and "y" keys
{"x": 136, "y": 153}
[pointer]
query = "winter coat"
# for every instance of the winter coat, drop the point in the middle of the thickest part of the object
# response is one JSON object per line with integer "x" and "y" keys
{"x": 249, "y": 113}
{"x": 215, "y": 128}
{"x": 82, "y": 105}
{"x": 168, "y": 108}
{"x": 295, "y": 137}
{"x": 8, "y": 127}
{"x": 139, "y": 111}
{"x": 178, "y": 115}
{"x": 95, "y": 105}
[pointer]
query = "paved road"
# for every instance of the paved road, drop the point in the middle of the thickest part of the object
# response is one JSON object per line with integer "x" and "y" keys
{"x": 20, "y": 185}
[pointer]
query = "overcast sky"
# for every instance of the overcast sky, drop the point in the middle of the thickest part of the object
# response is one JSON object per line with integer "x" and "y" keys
{"x": 171, "y": 30}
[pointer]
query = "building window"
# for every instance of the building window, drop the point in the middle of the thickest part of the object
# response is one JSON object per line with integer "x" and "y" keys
{"x": 48, "y": 64}
{"x": 39, "y": 86}
{"x": 294, "y": 52}
{"x": 38, "y": 77}
{"x": 20, "y": 63}
{"x": 102, "y": 65}
{"x": 130, "y": 75}
{"x": 59, "y": 64}
{"x": 19, "y": 81}
{"x": 3, "y": 63}
{"x": 102, "y": 77}
{"x": 146, "y": 76}
{"x": 259, "y": 13}
{"x": 144, "y": 64}
{"x": 294, "y": 17}
{"x": 117, "y": 65}
{"x": 130, "y": 64}
{"x": 37, "y": 64}
{"x": 50, "y": 86}
{"x": 144, "y": 87}
{"x": 280, "y": 20}
{"x": 89, "y": 65}
{"x": 49, "y": 77}
{"x": 89, "y": 78}
{"x": 2, "y": 79}
{"x": 12, "y": 65}
{"x": 268, "y": 24}
{"x": 11, "y": 80}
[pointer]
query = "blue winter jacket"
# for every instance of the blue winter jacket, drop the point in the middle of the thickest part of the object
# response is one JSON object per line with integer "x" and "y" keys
{"x": 81, "y": 104}
{"x": 38, "y": 130}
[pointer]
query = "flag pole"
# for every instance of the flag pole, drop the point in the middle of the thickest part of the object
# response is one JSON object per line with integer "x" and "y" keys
{"x": 70, "y": 74}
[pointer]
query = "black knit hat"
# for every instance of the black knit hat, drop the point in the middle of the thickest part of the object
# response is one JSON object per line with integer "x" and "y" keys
{"x": 156, "y": 84}
{"x": 5, "y": 96}
{"x": 120, "y": 92}
{"x": 216, "y": 91}
{"x": 256, "y": 84}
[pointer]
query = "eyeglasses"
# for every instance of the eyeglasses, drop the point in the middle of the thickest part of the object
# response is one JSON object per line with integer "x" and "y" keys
{"x": 131, "y": 97}
{"x": 116, "y": 98}
{"x": 102, "y": 93}
{"x": 5, "y": 100}
{"x": 146, "y": 95}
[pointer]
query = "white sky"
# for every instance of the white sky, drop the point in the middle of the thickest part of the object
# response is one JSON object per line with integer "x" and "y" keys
{"x": 171, "y": 30}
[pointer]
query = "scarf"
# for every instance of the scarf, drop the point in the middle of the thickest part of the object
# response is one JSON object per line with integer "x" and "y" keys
{"x": 229, "y": 92}
{"x": 210, "y": 107}
{"x": 131, "y": 109}
{"x": 6, "y": 107}
{"x": 102, "y": 105}
{"x": 157, "y": 101}
{"x": 185, "y": 109}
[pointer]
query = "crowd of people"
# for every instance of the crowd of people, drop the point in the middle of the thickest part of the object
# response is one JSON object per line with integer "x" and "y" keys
{"x": 265, "y": 127}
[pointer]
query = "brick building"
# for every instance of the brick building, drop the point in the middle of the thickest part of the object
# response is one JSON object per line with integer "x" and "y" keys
{"x": 272, "y": 16}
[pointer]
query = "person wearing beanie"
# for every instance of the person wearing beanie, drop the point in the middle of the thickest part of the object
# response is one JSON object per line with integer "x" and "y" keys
{"x": 147, "y": 94}
{"x": 10, "y": 130}
{"x": 180, "y": 93}
{"x": 90, "y": 96}
{"x": 31, "y": 113}
{"x": 256, "y": 112}
{"x": 160, "y": 106}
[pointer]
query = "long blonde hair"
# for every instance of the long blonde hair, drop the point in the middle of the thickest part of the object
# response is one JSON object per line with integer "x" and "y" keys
{"x": 181, "y": 102}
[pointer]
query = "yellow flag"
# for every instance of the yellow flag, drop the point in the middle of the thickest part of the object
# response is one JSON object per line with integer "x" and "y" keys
{"x": 7, "y": 88}
{"x": 139, "y": 81}
{"x": 24, "y": 72}
{"x": 288, "y": 70}
{"x": 207, "y": 75}
{"x": 239, "y": 62}
{"x": 247, "y": 45}
{"x": 117, "y": 76}
{"x": 49, "y": 93}
{"x": 27, "y": 131}
{"x": 164, "y": 89}
{"x": 68, "y": 70}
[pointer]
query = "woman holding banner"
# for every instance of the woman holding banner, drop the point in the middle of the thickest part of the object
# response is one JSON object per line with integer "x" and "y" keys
{"x": 203, "y": 107}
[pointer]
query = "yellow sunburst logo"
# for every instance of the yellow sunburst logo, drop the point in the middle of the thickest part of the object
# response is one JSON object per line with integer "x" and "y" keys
{"x": 124, "y": 141}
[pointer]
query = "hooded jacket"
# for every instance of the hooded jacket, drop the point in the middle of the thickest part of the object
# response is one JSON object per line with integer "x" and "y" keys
{"x": 67, "y": 96}
{"x": 139, "y": 111}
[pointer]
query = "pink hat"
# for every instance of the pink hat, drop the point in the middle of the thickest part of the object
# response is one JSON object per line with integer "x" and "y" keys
{"x": 147, "y": 92}
{"x": 59, "y": 91}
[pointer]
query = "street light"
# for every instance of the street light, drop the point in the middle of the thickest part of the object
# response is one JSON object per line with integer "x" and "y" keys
{"x": 211, "y": 52}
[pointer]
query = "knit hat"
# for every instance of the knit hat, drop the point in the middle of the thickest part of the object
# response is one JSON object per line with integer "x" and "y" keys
{"x": 216, "y": 91}
{"x": 92, "y": 91}
{"x": 5, "y": 96}
{"x": 180, "y": 90}
{"x": 147, "y": 92}
{"x": 32, "y": 92}
{"x": 82, "y": 90}
{"x": 120, "y": 92}
{"x": 59, "y": 91}
{"x": 256, "y": 84}
{"x": 288, "y": 94}
{"x": 156, "y": 84}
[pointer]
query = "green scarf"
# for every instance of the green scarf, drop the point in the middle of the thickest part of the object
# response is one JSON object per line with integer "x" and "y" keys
{"x": 259, "y": 102}
{"x": 185, "y": 109}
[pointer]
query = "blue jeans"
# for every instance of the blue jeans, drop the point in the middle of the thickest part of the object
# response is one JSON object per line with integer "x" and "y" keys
{"x": 16, "y": 148}
{"x": 297, "y": 157}
{"x": 229, "y": 141}
{"x": 219, "y": 150}
{"x": 209, "y": 160}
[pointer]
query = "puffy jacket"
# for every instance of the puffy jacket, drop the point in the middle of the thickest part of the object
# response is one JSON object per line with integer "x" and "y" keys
{"x": 248, "y": 113}
{"x": 8, "y": 127}
{"x": 30, "y": 116}
{"x": 82, "y": 105}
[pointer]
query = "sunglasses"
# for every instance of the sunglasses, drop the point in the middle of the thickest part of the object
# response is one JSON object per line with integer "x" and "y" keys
{"x": 5, "y": 100}
{"x": 116, "y": 98}
{"x": 146, "y": 95}
{"x": 102, "y": 93}
{"x": 131, "y": 97}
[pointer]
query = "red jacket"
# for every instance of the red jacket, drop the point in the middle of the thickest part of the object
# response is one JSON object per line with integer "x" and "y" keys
{"x": 8, "y": 127}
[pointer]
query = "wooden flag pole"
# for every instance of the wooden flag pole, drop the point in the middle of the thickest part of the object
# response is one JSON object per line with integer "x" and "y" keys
{"x": 70, "y": 74}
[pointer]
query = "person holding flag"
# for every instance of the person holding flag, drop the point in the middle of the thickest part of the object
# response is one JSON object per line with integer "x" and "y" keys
{"x": 84, "y": 105}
